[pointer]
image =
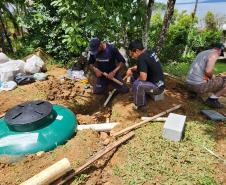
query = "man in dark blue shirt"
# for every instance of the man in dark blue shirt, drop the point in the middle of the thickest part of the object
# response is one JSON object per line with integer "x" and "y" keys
{"x": 106, "y": 58}
{"x": 150, "y": 78}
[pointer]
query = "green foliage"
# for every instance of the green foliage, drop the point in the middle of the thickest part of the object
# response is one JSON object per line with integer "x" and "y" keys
{"x": 159, "y": 6}
{"x": 210, "y": 21}
{"x": 63, "y": 28}
{"x": 180, "y": 69}
{"x": 176, "y": 38}
{"x": 220, "y": 66}
{"x": 182, "y": 31}
{"x": 177, "y": 68}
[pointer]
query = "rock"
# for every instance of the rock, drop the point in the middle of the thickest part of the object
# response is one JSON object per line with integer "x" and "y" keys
{"x": 103, "y": 136}
{"x": 106, "y": 141}
{"x": 40, "y": 154}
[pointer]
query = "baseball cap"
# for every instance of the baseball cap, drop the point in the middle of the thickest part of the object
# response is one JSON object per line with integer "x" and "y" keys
{"x": 93, "y": 46}
{"x": 221, "y": 47}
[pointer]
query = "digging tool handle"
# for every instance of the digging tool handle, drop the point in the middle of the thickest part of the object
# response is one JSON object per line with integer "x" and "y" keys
{"x": 109, "y": 97}
{"x": 50, "y": 174}
{"x": 137, "y": 125}
{"x": 114, "y": 79}
{"x": 97, "y": 156}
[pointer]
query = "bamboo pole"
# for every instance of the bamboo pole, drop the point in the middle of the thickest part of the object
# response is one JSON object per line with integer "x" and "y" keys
{"x": 137, "y": 125}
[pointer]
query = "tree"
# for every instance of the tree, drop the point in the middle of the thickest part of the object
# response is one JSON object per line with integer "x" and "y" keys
{"x": 6, "y": 13}
{"x": 191, "y": 27}
{"x": 210, "y": 21}
{"x": 148, "y": 4}
{"x": 5, "y": 34}
{"x": 166, "y": 22}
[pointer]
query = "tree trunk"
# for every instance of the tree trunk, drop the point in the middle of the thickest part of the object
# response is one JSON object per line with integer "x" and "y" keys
{"x": 167, "y": 20}
{"x": 5, "y": 33}
{"x": 195, "y": 10}
{"x": 147, "y": 17}
{"x": 2, "y": 42}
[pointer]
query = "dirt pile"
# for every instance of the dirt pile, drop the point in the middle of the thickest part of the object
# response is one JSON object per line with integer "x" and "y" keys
{"x": 66, "y": 89}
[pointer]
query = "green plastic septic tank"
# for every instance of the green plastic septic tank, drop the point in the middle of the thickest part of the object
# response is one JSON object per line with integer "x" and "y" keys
{"x": 60, "y": 126}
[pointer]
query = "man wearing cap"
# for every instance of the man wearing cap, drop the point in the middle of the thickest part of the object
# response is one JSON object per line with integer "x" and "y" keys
{"x": 148, "y": 75}
{"x": 200, "y": 78}
{"x": 106, "y": 58}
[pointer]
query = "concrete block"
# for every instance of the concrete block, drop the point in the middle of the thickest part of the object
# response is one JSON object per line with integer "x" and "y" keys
{"x": 158, "y": 97}
{"x": 174, "y": 127}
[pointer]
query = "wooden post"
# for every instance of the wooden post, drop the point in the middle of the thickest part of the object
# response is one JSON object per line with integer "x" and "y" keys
{"x": 137, "y": 125}
{"x": 97, "y": 156}
{"x": 50, "y": 174}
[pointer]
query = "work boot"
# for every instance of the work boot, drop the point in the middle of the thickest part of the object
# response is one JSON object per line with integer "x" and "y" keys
{"x": 214, "y": 103}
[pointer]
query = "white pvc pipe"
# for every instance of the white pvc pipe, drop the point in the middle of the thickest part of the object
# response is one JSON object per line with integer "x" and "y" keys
{"x": 103, "y": 127}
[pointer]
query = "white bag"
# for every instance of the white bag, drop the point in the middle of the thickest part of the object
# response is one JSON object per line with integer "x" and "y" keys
{"x": 40, "y": 76}
{"x": 33, "y": 64}
{"x": 3, "y": 58}
{"x": 10, "y": 69}
{"x": 8, "y": 86}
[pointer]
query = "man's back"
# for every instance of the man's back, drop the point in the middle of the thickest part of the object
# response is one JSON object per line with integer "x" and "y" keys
{"x": 197, "y": 71}
{"x": 148, "y": 62}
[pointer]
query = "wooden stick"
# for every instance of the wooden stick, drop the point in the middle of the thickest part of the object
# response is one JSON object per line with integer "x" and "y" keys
{"x": 157, "y": 119}
{"x": 217, "y": 156}
{"x": 137, "y": 125}
{"x": 97, "y": 156}
{"x": 50, "y": 174}
{"x": 113, "y": 79}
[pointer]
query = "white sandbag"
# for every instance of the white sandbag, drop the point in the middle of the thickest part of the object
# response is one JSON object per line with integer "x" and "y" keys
{"x": 40, "y": 76}
{"x": 8, "y": 86}
{"x": 6, "y": 76}
{"x": 33, "y": 64}
{"x": 3, "y": 58}
{"x": 10, "y": 69}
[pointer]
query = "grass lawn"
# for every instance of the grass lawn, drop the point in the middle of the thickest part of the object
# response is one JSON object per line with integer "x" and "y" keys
{"x": 154, "y": 160}
{"x": 181, "y": 69}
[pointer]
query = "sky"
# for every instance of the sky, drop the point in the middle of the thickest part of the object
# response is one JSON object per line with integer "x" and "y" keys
{"x": 218, "y": 7}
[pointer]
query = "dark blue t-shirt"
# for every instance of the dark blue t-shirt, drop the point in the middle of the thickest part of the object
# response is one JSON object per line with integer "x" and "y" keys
{"x": 148, "y": 62}
{"x": 106, "y": 59}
